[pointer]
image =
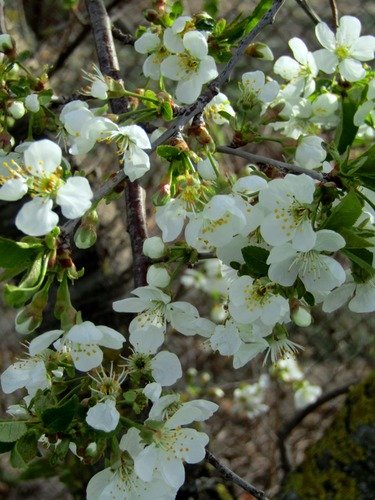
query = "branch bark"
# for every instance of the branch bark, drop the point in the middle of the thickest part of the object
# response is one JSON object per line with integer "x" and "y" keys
{"x": 134, "y": 199}
{"x": 229, "y": 474}
{"x": 284, "y": 167}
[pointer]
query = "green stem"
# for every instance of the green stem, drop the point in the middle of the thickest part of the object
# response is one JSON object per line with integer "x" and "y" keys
{"x": 127, "y": 93}
{"x": 130, "y": 423}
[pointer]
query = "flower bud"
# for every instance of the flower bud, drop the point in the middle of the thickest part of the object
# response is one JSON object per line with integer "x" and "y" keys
{"x": 306, "y": 395}
{"x": 206, "y": 170}
{"x": 260, "y": 51}
{"x": 154, "y": 247}
{"x": 158, "y": 276}
{"x": 85, "y": 236}
{"x": 17, "y": 109}
{"x": 301, "y": 315}
{"x": 6, "y": 43}
{"x": 32, "y": 103}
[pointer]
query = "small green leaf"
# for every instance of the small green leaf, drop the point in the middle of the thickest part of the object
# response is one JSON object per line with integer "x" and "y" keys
{"x": 58, "y": 418}
{"x": 25, "y": 449}
{"x": 11, "y": 431}
{"x": 14, "y": 254}
{"x": 211, "y": 7}
{"x": 166, "y": 111}
{"x": 168, "y": 152}
{"x": 259, "y": 11}
{"x": 177, "y": 9}
{"x": 255, "y": 261}
{"x": 345, "y": 214}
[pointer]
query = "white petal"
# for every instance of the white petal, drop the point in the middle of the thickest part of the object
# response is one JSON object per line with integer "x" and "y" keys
{"x": 147, "y": 43}
{"x": 173, "y": 472}
{"x": 269, "y": 91}
{"x": 364, "y": 299}
{"x": 166, "y": 368}
{"x": 36, "y": 217}
{"x": 196, "y": 43}
{"x": 145, "y": 462}
{"x": 351, "y": 70}
{"x": 85, "y": 333}
{"x": 326, "y": 60}
{"x": 74, "y": 197}
{"x": 348, "y": 31}
{"x": 42, "y": 157}
{"x": 137, "y": 135}
{"x": 131, "y": 442}
{"x": 147, "y": 339}
{"x": 188, "y": 91}
{"x": 363, "y": 49}
{"x": 287, "y": 68}
{"x": 86, "y": 356}
{"x": 171, "y": 68}
{"x": 299, "y": 50}
{"x": 325, "y": 36}
{"x": 41, "y": 342}
{"x": 305, "y": 237}
{"x": 110, "y": 337}
{"x": 103, "y": 416}
{"x": 328, "y": 241}
{"x": 136, "y": 163}
{"x": 338, "y": 297}
{"x": 13, "y": 189}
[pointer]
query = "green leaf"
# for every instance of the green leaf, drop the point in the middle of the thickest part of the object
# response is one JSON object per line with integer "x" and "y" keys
{"x": 346, "y": 131}
{"x": 166, "y": 111}
{"x": 25, "y": 449}
{"x": 259, "y": 11}
{"x": 354, "y": 238}
{"x": 11, "y": 431}
{"x": 361, "y": 257}
{"x": 168, "y": 152}
{"x": 58, "y": 418}
{"x": 15, "y": 254}
{"x": 255, "y": 261}
{"x": 177, "y": 9}
{"x": 345, "y": 214}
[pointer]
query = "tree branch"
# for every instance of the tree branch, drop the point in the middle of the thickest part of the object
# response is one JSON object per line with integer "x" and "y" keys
{"x": 309, "y": 11}
{"x": 108, "y": 63}
{"x": 298, "y": 417}
{"x": 335, "y": 13}
{"x": 284, "y": 167}
{"x": 228, "y": 474}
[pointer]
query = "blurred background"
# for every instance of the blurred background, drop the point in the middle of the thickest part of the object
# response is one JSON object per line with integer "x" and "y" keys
{"x": 338, "y": 347}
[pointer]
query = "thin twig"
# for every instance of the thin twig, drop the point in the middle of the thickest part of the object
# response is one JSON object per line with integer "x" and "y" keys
{"x": 335, "y": 13}
{"x": 285, "y": 167}
{"x": 134, "y": 199}
{"x": 124, "y": 38}
{"x": 298, "y": 417}
{"x": 309, "y": 11}
{"x": 228, "y": 474}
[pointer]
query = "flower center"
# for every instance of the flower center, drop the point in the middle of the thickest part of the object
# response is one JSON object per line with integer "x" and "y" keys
{"x": 342, "y": 52}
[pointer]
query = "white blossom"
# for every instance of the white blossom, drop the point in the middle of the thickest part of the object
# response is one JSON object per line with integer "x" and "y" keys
{"x": 346, "y": 50}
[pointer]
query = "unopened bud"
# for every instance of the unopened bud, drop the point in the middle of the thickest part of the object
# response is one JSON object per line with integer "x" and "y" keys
{"x": 32, "y": 103}
{"x": 162, "y": 195}
{"x": 158, "y": 276}
{"x": 260, "y": 51}
{"x": 300, "y": 314}
{"x": 154, "y": 247}
{"x": 201, "y": 134}
{"x": 17, "y": 109}
{"x": 85, "y": 236}
{"x": 6, "y": 43}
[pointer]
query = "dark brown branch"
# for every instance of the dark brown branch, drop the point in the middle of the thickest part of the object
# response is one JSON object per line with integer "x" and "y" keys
{"x": 284, "y": 167}
{"x": 228, "y": 474}
{"x": 108, "y": 63}
{"x": 124, "y": 38}
{"x": 298, "y": 417}
{"x": 309, "y": 11}
{"x": 335, "y": 13}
